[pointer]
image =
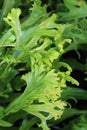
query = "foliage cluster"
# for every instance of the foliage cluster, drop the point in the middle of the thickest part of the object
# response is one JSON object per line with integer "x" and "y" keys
{"x": 42, "y": 52}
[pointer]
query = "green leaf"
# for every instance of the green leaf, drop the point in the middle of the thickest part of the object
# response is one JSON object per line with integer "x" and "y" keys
{"x": 5, "y": 123}
{"x": 38, "y": 14}
{"x": 7, "y": 40}
{"x": 42, "y": 88}
{"x": 13, "y": 20}
{"x": 70, "y": 112}
{"x": 76, "y": 10}
{"x": 77, "y": 93}
{"x": 28, "y": 123}
{"x": 79, "y": 123}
